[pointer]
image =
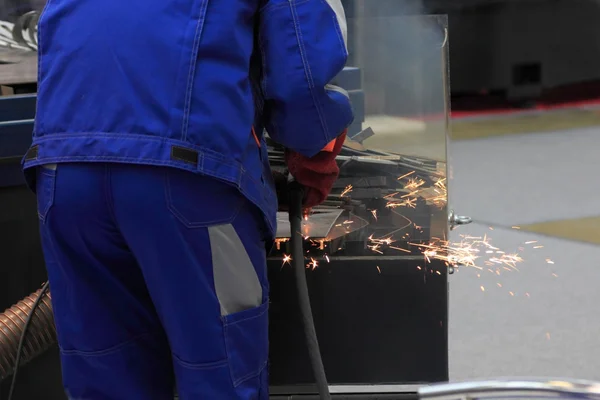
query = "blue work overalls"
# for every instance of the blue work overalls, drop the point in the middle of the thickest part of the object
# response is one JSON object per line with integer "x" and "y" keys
{"x": 155, "y": 197}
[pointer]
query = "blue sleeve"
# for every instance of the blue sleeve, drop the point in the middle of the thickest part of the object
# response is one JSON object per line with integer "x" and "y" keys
{"x": 303, "y": 47}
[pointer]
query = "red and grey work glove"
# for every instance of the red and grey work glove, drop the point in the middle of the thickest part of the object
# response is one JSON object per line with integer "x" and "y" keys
{"x": 316, "y": 174}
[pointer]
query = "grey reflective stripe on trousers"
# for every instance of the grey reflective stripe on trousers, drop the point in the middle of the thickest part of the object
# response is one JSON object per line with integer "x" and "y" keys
{"x": 236, "y": 283}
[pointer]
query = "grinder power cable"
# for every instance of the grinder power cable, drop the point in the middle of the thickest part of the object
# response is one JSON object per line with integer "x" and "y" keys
{"x": 296, "y": 194}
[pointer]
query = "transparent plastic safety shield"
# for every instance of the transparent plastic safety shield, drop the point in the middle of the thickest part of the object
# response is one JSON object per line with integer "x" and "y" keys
{"x": 391, "y": 195}
{"x": 376, "y": 253}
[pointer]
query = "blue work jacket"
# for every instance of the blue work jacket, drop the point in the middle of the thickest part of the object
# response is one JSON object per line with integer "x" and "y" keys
{"x": 182, "y": 83}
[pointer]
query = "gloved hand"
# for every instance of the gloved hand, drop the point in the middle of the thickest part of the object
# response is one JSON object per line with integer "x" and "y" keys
{"x": 316, "y": 174}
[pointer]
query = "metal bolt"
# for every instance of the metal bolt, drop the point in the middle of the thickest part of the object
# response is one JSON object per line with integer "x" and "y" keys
{"x": 456, "y": 220}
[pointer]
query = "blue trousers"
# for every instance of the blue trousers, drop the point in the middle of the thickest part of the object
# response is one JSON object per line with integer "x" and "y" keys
{"x": 158, "y": 282}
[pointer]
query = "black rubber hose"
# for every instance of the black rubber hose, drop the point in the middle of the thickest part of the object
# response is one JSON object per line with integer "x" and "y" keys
{"x": 296, "y": 241}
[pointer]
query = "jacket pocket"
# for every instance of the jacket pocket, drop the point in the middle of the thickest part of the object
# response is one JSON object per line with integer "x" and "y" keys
{"x": 247, "y": 342}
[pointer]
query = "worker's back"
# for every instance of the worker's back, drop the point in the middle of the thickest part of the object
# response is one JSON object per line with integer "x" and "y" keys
{"x": 166, "y": 82}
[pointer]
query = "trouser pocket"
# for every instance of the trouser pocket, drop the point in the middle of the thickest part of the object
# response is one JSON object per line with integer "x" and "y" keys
{"x": 45, "y": 188}
{"x": 247, "y": 342}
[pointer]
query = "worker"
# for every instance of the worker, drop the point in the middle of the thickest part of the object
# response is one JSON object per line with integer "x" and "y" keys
{"x": 155, "y": 197}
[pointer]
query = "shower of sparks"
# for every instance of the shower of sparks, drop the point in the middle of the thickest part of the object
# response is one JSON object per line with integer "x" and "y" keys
{"x": 399, "y": 249}
{"x": 414, "y": 184}
{"x": 278, "y": 242}
{"x": 376, "y": 244}
{"x": 405, "y": 175}
{"x": 313, "y": 264}
{"x": 347, "y": 190}
{"x": 415, "y": 188}
{"x": 471, "y": 251}
{"x": 411, "y": 203}
{"x": 320, "y": 243}
{"x": 374, "y": 212}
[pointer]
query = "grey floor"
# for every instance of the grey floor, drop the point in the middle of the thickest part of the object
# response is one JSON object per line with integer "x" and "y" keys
{"x": 551, "y": 325}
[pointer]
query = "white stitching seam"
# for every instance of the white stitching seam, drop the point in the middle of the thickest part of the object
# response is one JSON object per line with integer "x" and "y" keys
{"x": 307, "y": 70}
{"x": 192, "y": 71}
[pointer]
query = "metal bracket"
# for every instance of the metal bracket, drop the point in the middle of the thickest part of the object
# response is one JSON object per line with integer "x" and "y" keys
{"x": 456, "y": 220}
